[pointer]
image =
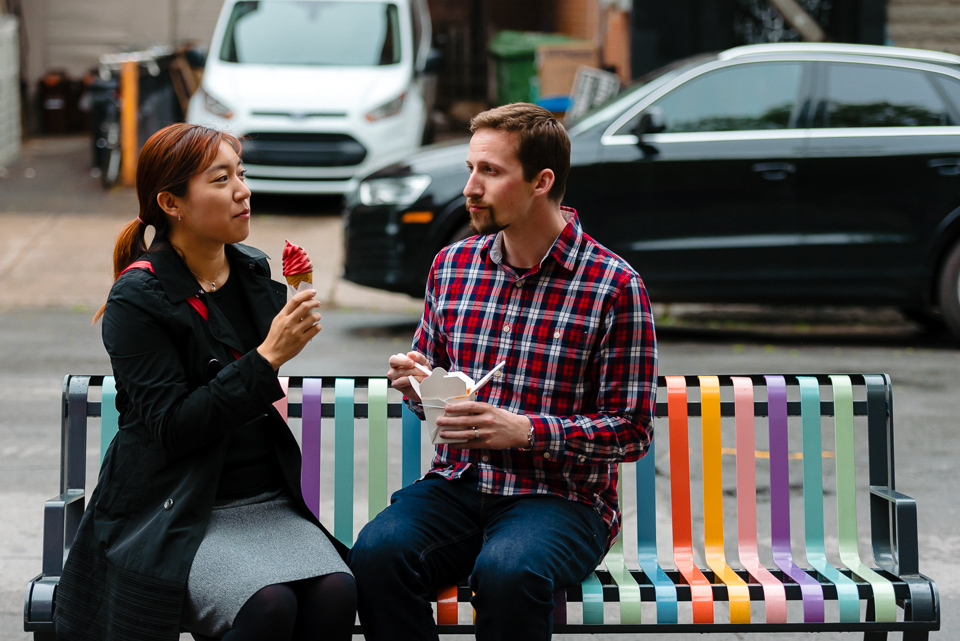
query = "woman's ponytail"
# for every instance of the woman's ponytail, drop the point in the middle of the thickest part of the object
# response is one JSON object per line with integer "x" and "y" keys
{"x": 131, "y": 244}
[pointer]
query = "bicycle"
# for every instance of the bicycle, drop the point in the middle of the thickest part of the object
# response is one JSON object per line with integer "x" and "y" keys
{"x": 108, "y": 152}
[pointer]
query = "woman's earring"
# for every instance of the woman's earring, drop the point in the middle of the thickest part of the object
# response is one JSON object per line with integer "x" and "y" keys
{"x": 178, "y": 217}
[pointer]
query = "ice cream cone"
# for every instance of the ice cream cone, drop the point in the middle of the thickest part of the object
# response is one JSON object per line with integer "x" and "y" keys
{"x": 295, "y": 279}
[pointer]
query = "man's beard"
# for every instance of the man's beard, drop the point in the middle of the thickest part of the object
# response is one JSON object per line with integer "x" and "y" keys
{"x": 486, "y": 223}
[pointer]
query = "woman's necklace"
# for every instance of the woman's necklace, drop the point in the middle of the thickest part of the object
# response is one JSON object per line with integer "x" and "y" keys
{"x": 213, "y": 283}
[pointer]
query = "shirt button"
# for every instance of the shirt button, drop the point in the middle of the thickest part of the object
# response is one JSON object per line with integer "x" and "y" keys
{"x": 556, "y": 334}
{"x": 506, "y": 329}
{"x": 582, "y": 458}
{"x": 485, "y": 458}
{"x": 497, "y": 374}
{"x": 519, "y": 283}
{"x": 546, "y": 455}
{"x": 168, "y": 504}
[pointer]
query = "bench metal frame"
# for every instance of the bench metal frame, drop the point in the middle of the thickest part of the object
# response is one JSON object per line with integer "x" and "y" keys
{"x": 897, "y": 597}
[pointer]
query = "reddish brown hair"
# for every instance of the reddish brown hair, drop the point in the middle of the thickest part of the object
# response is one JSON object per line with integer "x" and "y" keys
{"x": 542, "y": 142}
{"x": 168, "y": 160}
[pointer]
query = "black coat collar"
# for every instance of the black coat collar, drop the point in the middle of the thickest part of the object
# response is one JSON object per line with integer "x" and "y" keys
{"x": 265, "y": 296}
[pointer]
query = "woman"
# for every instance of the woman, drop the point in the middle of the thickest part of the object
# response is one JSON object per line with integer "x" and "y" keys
{"x": 197, "y": 519}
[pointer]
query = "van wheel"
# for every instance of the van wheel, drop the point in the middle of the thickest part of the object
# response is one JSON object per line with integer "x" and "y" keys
{"x": 949, "y": 290}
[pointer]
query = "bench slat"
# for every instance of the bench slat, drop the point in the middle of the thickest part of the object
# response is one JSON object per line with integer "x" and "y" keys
{"x": 701, "y": 592}
{"x": 377, "y": 453}
{"x": 884, "y": 602}
{"x": 627, "y": 584}
{"x": 310, "y": 443}
{"x": 343, "y": 461}
{"x": 109, "y": 415}
{"x": 739, "y": 595}
{"x": 666, "y": 591}
{"x": 813, "y": 606}
{"x": 774, "y": 597}
{"x": 847, "y": 596}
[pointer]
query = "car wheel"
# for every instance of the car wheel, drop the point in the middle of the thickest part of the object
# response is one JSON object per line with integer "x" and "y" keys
{"x": 928, "y": 319}
{"x": 949, "y": 290}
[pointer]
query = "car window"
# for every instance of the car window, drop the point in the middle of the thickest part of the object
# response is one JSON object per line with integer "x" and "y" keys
{"x": 875, "y": 96}
{"x": 313, "y": 33}
{"x": 739, "y": 98}
{"x": 950, "y": 87}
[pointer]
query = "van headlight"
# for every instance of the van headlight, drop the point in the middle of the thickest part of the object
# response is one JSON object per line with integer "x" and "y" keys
{"x": 387, "y": 109}
{"x": 401, "y": 191}
{"x": 214, "y": 106}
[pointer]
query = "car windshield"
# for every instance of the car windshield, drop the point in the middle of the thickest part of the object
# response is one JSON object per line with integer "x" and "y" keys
{"x": 639, "y": 88}
{"x": 312, "y": 32}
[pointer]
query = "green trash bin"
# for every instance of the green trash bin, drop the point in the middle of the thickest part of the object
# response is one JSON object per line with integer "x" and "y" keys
{"x": 515, "y": 55}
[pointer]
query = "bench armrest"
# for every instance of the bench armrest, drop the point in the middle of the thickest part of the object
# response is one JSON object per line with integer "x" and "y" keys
{"x": 61, "y": 518}
{"x": 896, "y": 546}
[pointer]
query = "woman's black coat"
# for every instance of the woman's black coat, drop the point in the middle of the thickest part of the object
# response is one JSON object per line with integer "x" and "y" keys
{"x": 180, "y": 392}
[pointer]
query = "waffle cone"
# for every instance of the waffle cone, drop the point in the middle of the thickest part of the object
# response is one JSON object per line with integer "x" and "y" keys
{"x": 295, "y": 279}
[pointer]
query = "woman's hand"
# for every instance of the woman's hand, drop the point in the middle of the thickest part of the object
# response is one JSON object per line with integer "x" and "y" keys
{"x": 291, "y": 329}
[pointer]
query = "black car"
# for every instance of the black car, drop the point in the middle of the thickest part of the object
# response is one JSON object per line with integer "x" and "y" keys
{"x": 795, "y": 173}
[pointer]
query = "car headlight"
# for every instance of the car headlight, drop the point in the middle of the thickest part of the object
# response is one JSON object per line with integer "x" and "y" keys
{"x": 214, "y": 106}
{"x": 387, "y": 109}
{"x": 393, "y": 191}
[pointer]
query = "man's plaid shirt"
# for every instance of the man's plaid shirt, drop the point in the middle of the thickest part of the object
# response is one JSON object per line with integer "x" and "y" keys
{"x": 577, "y": 335}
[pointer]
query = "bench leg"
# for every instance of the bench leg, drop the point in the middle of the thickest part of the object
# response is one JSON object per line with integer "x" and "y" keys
{"x": 916, "y": 635}
{"x": 874, "y": 636}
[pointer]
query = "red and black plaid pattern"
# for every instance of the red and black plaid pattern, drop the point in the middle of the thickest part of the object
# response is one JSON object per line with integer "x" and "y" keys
{"x": 577, "y": 335}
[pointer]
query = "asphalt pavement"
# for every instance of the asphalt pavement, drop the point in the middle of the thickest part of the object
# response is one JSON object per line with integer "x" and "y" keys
{"x": 57, "y": 229}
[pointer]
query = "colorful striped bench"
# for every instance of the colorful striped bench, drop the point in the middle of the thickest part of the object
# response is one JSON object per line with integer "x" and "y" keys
{"x": 774, "y": 472}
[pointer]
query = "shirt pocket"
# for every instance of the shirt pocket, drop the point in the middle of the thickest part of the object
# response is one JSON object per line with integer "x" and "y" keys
{"x": 568, "y": 350}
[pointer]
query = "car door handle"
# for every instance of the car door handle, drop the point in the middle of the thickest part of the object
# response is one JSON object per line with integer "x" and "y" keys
{"x": 774, "y": 170}
{"x": 945, "y": 166}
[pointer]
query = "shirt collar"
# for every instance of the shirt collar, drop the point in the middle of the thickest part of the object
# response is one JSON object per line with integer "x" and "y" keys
{"x": 564, "y": 250}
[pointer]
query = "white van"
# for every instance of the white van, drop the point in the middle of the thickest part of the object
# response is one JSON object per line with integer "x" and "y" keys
{"x": 323, "y": 90}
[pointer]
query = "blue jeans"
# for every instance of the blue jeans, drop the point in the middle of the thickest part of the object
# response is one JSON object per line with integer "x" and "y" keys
{"x": 515, "y": 550}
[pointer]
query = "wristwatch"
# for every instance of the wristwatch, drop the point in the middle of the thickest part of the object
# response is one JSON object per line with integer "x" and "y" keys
{"x": 529, "y": 441}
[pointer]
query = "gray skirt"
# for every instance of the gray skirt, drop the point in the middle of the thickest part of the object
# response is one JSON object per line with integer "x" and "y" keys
{"x": 249, "y": 544}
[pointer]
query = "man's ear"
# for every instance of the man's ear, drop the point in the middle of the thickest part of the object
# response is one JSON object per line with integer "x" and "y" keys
{"x": 543, "y": 182}
{"x": 169, "y": 203}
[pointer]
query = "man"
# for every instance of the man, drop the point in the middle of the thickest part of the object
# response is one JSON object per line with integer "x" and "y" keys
{"x": 528, "y": 503}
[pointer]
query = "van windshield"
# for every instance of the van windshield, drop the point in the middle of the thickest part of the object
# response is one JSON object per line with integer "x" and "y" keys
{"x": 313, "y": 32}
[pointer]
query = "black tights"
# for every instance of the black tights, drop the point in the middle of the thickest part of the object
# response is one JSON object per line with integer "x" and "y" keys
{"x": 323, "y": 608}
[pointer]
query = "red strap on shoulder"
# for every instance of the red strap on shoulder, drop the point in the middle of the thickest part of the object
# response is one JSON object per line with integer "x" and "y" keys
{"x": 198, "y": 305}
{"x": 138, "y": 264}
{"x": 194, "y": 300}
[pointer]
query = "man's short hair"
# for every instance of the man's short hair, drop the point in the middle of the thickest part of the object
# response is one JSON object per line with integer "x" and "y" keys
{"x": 542, "y": 142}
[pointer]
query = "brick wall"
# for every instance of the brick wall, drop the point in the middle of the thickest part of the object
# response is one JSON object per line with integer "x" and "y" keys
{"x": 924, "y": 24}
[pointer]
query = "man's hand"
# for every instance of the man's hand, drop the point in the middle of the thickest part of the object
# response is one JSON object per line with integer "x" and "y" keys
{"x": 496, "y": 429}
{"x": 401, "y": 368}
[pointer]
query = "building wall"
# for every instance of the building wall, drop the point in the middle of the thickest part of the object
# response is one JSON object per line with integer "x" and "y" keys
{"x": 72, "y": 34}
{"x": 924, "y": 24}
